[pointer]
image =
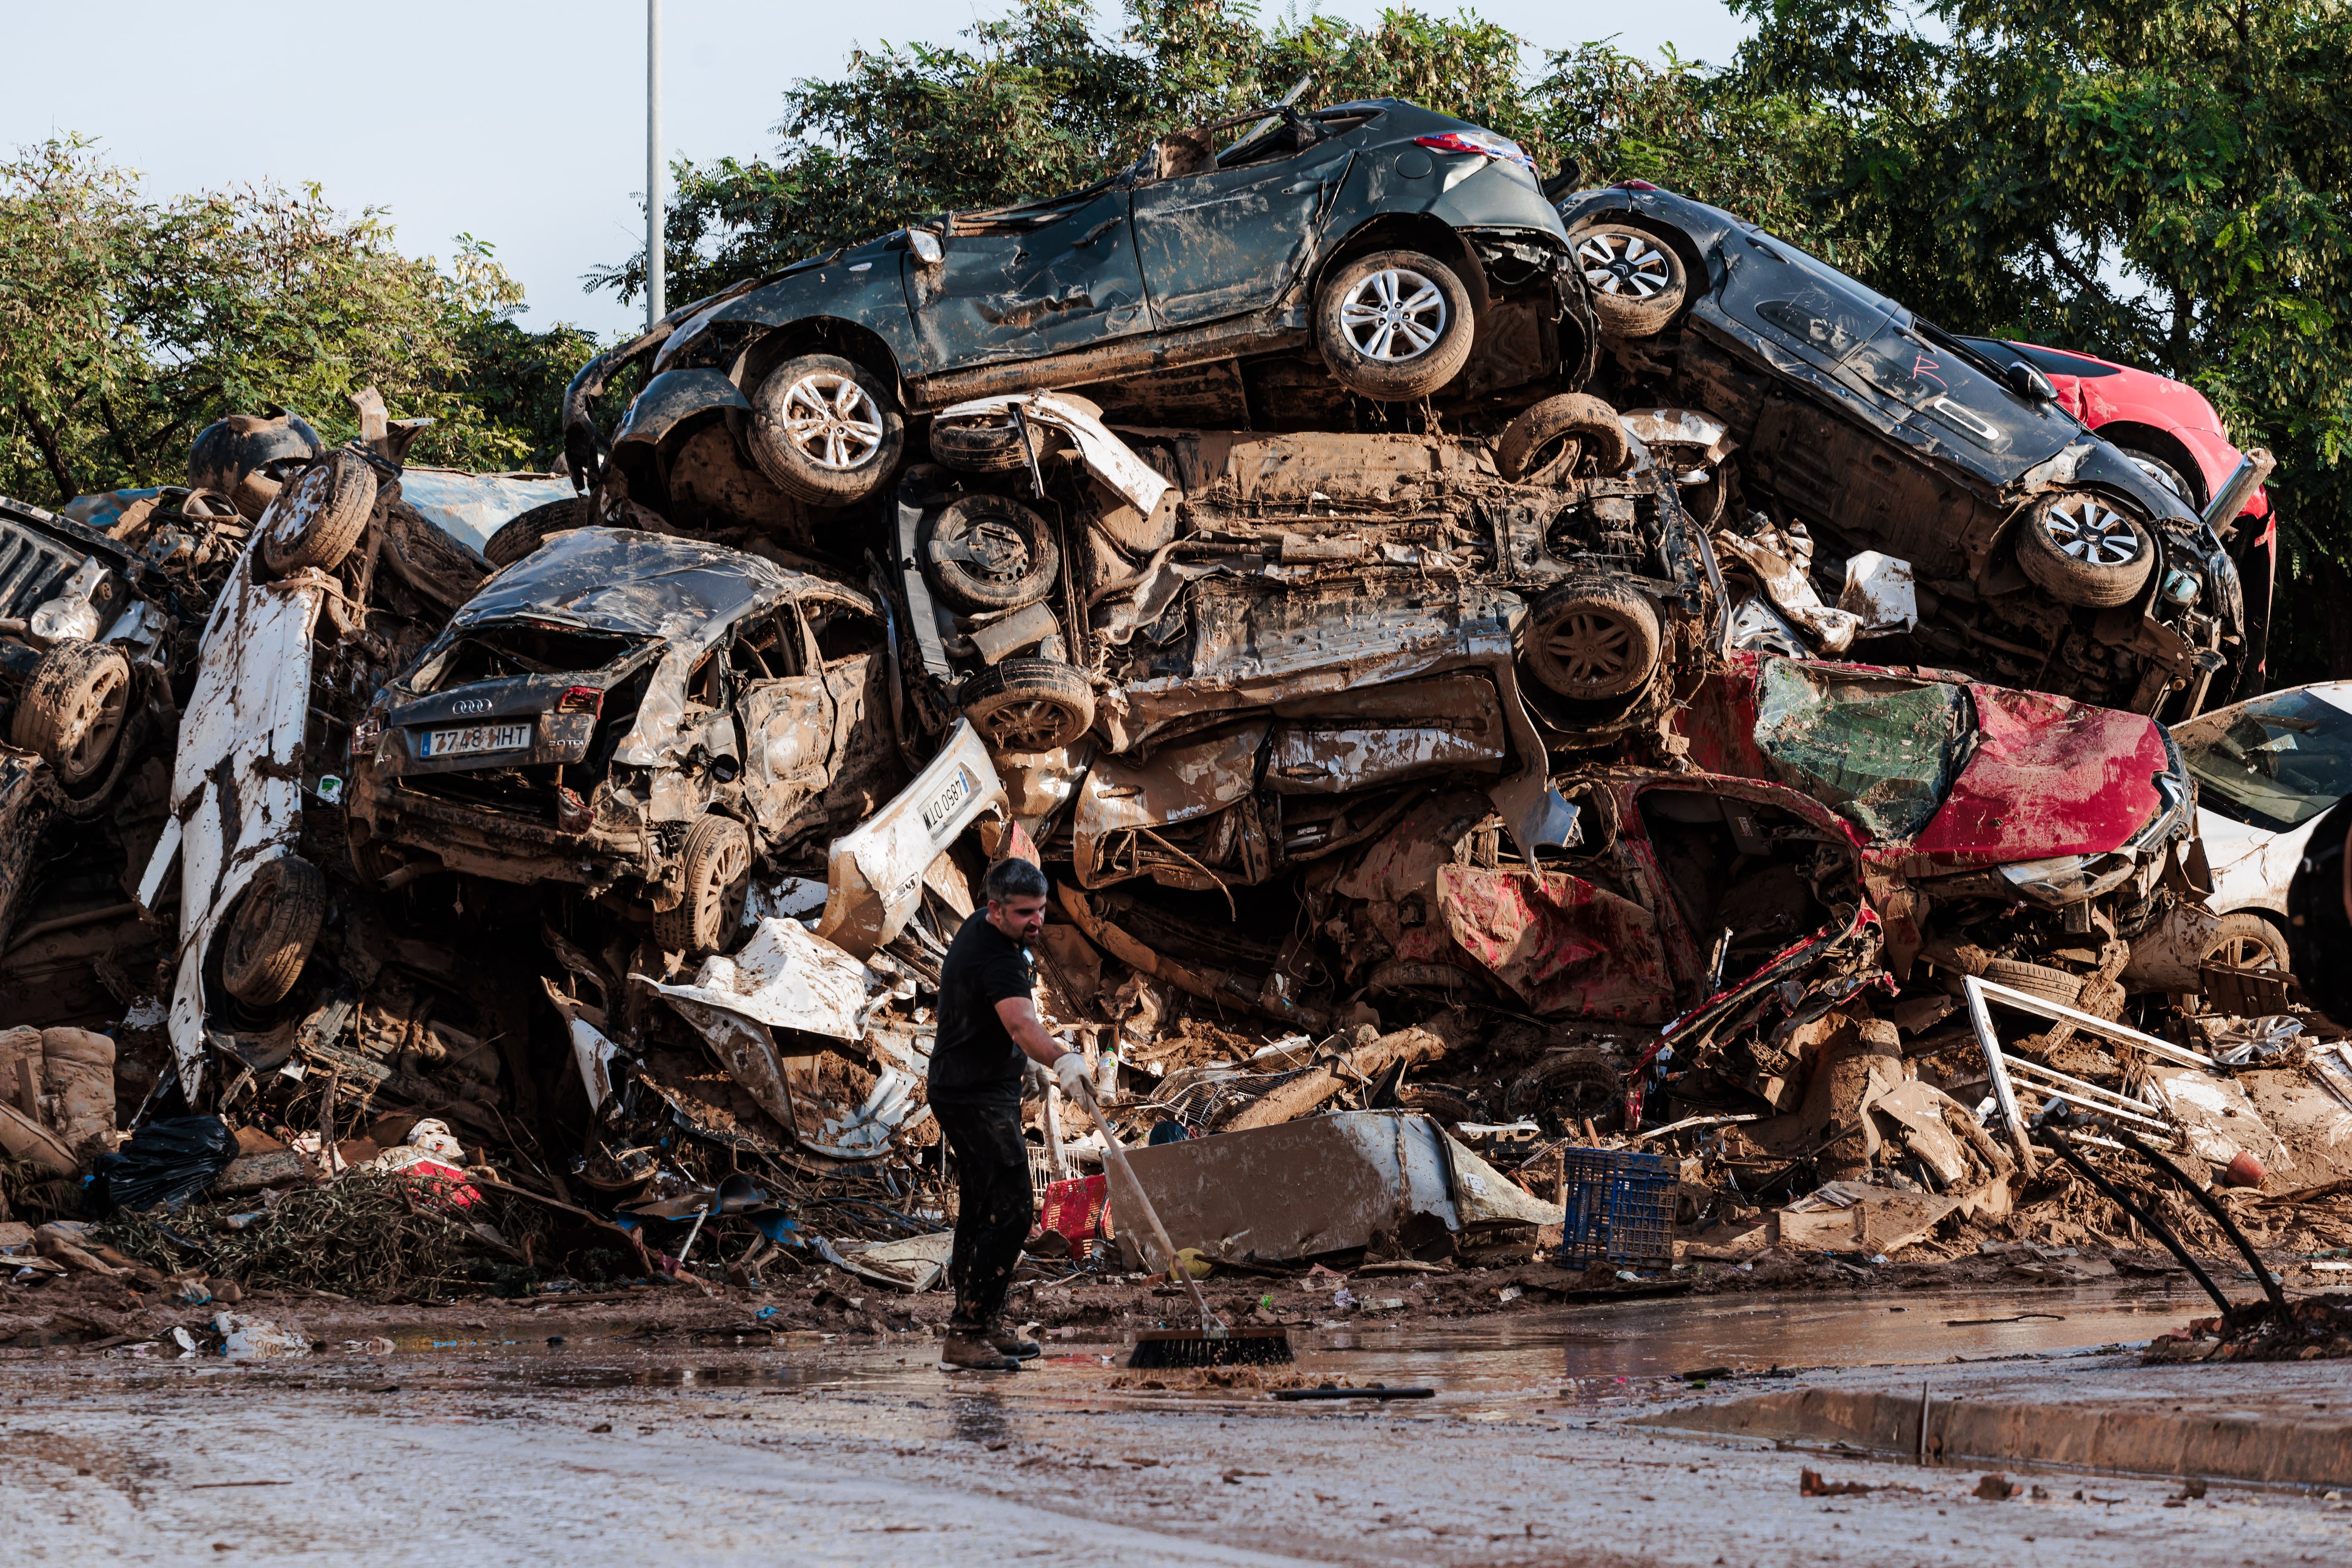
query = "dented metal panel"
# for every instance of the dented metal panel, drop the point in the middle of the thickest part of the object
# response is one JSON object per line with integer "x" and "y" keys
{"x": 2049, "y": 777}
{"x": 874, "y": 875}
{"x": 1562, "y": 945}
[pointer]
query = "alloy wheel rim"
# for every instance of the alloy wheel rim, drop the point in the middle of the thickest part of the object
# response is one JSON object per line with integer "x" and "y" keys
{"x": 2090, "y": 531}
{"x": 1588, "y": 648}
{"x": 97, "y": 721}
{"x": 1393, "y": 315}
{"x": 831, "y": 421}
{"x": 1624, "y": 265}
{"x": 1034, "y": 725}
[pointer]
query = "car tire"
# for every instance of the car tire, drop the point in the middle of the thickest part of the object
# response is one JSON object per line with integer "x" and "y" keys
{"x": 2082, "y": 550}
{"x": 1592, "y": 638}
{"x": 319, "y": 515}
{"x": 2036, "y": 980}
{"x": 1636, "y": 281}
{"x": 1544, "y": 443}
{"x": 718, "y": 858}
{"x": 1029, "y": 705}
{"x": 2165, "y": 475}
{"x": 75, "y": 706}
{"x": 826, "y": 431}
{"x": 989, "y": 553}
{"x": 268, "y": 939}
{"x": 1371, "y": 302}
{"x": 990, "y": 443}
{"x": 2245, "y": 940}
{"x": 523, "y": 533}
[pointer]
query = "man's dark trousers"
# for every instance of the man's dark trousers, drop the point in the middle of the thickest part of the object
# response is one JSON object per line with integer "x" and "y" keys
{"x": 995, "y": 1210}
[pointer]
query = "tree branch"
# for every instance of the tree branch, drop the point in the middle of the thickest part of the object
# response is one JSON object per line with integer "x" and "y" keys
{"x": 52, "y": 457}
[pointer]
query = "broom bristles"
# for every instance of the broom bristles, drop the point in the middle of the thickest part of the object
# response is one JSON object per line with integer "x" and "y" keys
{"x": 1167, "y": 1348}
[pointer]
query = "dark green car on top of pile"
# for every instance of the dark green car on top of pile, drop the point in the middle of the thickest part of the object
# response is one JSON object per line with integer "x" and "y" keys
{"x": 1372, "y": 250}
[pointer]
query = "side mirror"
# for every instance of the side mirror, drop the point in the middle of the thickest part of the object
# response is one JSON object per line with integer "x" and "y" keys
{"x": 1569, "y": 178}
{"x": 2027, "y": 382}
{"x": 926, "y": 246}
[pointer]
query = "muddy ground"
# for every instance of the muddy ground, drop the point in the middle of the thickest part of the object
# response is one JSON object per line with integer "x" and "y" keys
{"x": 464, "y": 1444}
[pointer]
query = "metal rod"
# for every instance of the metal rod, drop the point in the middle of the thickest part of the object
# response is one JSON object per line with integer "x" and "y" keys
{"x": 2207, "y": 1202}
{"x": 2058, "y": 1141}
{"x": 656, "y": 284}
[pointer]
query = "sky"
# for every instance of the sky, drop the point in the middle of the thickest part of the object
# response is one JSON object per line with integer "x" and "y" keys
{"x": 521, "y": 121}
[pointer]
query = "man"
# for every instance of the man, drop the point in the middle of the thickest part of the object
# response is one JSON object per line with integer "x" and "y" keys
{"x": 988, "y": 1028}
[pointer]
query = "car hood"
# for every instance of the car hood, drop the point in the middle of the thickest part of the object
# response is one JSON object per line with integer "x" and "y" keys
{"x": 2049, "y": 776}
{"x": 628, "y": 582}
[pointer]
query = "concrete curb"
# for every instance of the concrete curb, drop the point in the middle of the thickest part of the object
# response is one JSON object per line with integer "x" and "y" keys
{"x": 2269, "y": 1450}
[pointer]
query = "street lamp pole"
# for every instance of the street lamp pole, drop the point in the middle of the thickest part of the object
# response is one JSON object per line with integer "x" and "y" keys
{"x": 655, "y": 283}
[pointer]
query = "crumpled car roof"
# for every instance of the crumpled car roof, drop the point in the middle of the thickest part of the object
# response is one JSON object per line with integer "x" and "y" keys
{"x": 628, "y": 582}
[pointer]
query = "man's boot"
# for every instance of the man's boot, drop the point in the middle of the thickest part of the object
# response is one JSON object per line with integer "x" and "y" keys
{"x": 1008, "y": 1341}
{"x": 969, "y": 1350}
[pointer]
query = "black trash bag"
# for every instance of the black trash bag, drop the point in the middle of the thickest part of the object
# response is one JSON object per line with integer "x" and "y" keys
{"x": 165, "y": 1165}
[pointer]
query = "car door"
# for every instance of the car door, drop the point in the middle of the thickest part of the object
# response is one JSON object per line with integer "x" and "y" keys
{"x": 788, "y": 709}
{"x": 1227, "y": 241}
{"x": 1020, "y": 283}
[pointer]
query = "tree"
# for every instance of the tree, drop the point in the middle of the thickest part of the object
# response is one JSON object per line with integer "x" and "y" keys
{"x": 126, "y": 326}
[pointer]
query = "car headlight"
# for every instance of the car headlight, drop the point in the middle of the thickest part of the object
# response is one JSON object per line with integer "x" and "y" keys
{"x": 2067, "y": 878}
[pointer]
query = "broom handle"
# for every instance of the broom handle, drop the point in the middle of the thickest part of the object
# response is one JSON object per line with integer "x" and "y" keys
{"x": 1117, "y": 1157}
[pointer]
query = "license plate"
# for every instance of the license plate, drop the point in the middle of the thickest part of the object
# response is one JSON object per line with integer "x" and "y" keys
{"x": 943, "y": 805}
{"x": 478, "y": 738}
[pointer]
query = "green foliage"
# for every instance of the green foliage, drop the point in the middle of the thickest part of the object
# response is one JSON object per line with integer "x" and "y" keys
{"x": 127, "y": 325}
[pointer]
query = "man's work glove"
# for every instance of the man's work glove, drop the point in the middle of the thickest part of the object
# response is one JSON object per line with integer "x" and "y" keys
{"x": 1070, "y": 1071}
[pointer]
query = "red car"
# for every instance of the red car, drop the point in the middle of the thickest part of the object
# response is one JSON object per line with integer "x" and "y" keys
{"x": 1829, "y": 809}
{"x": 2168, "y": 428}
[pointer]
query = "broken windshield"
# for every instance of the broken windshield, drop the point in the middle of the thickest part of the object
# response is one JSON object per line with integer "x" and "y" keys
{"x": 2275, "y": 763}
{"x": 1880, "y": 752}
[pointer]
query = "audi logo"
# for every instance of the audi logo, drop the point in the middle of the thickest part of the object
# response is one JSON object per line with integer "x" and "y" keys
{"x": 470, "y": 705}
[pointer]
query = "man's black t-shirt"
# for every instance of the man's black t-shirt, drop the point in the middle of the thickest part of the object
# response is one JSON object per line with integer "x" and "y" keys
{"x": 974, "y": 1060}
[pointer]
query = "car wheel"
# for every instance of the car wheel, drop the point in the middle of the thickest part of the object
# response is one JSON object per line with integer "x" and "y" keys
{"x": 2036, "y": 980}
{"x": 72, "y": 712}
{"x": 2164, "y": 474}
{"x": 270, "y": 937}
{"x": 1545, "y": 444}
{"x": 316, "y": 519}
{"x": 2246, "y": 941}
{"x": 2084, "y": 550}
{"x": 1592, "y": 638}
{"x": 826, "y": 431}
{"x": 1394, "y": 325}
{"x": 1635, "y": 280}
{"x": 1025, "y": 705}
{"x": 522, "y": 534}
{"x": 989, "y": 553}
{"x": 718, "y": 858}
{"x": 990, "y": 443}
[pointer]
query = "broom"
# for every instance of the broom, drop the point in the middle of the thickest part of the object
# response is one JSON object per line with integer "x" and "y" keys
{"x": 1212, "y": 1344}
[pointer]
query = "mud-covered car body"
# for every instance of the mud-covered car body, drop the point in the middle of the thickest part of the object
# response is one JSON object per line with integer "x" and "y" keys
{"x": 595, "y": 699}
{"x": 1887, "y": 434}
{"x": 1831, "y": 810}
{"x": 2268, "y": 770}
{"x": 1183, "y": 297}
{"x": 68, "y": 590}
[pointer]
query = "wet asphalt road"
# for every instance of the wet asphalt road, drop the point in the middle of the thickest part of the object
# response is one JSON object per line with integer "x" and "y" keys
{"x": 611, "y": 1451}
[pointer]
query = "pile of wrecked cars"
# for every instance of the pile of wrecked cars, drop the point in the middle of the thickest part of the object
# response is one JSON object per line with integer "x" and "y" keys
{"x": 1567, "y": 672}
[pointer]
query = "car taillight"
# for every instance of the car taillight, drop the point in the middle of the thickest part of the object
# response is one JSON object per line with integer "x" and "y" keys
{"x": 580, "y": 699}
{"x": 1480, "y": 143}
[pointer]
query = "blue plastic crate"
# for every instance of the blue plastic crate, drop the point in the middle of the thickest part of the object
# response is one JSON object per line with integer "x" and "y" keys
{"x": 1621, "y": 1209}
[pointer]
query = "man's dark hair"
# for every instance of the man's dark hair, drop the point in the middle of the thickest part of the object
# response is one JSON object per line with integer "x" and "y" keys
{"x": 1013, "y": 878}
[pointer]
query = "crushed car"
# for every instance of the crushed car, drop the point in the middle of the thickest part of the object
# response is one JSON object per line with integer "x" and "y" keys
{"x": 2040, "y": 554}
{"x": 1372, "y": 251}
{"x": 624, "y": 710}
